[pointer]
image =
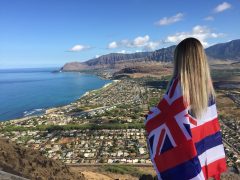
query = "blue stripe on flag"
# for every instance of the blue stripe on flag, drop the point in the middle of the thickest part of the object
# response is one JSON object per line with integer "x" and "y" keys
{"x": 170, "y": 85}
{"x": 211, "y": 101}
{"x": 166, "y": 145}
{"x": 151, "y": 143}
{"x": 187, "y": 126}
{"x": 186, "y": 170}
{"x": 209, "y": 142}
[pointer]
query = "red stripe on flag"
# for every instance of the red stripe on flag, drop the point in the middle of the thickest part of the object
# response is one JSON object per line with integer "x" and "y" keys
{"x": 176, "y": 131}
{"x": 215, "y": 169}
{"x": 160, "y": 141}
{"x": 204, "y": 130}
{"x": 155, "y": 122}
{"x": 204, "y": 170}
{"x": 175, "y": 156}
{"x": 176, "y": 107}
{"x": 191, "y": 120}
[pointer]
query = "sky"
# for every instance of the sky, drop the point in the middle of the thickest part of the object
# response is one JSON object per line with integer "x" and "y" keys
{"x": 50, "y": 33}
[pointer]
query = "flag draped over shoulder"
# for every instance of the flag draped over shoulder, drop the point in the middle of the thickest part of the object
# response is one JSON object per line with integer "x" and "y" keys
{"x": 182, "y": 147}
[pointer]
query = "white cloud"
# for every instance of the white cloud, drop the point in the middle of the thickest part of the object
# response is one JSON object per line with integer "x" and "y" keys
{"x": 140, "y": 41}
{"x": 202, "y": 33}
{"x": 170, "y": 20}
{"x": 122, "y": 51}
{"x": 112, "y": 45}
{"x": 152, "y": 45}
{"x": 97, "y": 56}
{"x": 222, "y": 7}
{"x": 78, "y": 48}
{"x": 209, "y": 18}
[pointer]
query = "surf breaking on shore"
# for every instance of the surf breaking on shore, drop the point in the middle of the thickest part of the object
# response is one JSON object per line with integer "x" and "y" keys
{"x": 40, "y": 111}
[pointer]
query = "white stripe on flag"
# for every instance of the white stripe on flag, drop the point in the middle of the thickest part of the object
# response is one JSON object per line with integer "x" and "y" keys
{"x": 155, "y": 111}
{"x": 177, "y": 93}
{"x": 211, "y": 155}
{"x": 209, "y": 115}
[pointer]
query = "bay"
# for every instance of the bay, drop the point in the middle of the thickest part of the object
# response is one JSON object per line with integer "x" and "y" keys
{"x": 25, "y": 92}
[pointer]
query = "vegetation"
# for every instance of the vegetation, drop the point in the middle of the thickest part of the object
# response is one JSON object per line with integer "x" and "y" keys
{"x": 51, "y": 128}
{"x": 153, "y": 101}
{"x": 84, "y": 108}
{"x": 224, "y": 73}
{"x": 25, "y": 138}
{"x": 122, "y": 169}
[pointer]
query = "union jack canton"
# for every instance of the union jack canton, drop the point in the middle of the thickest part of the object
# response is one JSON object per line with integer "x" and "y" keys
{"x": 182, "y": 147}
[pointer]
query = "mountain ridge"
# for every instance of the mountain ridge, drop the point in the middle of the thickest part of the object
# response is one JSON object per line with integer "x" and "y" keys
{"x": 222, "y": 51}
{"x": 229, "y": 50}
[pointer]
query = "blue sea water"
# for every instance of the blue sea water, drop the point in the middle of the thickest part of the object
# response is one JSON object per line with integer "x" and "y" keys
{"x": 26, "y": 92}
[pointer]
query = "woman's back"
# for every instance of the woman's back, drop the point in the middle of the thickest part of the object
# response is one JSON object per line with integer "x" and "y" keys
{"x": 182, "y": 146}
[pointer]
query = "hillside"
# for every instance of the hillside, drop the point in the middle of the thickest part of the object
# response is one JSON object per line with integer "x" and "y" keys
{"x": 114, "y": 59}
{"x": 226, "y": 51}
{"x": 31, "y": 164}
{"x": 222, "y": 51}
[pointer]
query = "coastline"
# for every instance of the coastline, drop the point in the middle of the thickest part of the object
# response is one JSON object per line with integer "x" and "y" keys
{"x": 52, "y": 109}
{"x": 104, "y": 86}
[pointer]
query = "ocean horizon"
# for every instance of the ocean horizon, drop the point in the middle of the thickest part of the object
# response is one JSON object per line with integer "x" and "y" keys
{"x": 30, "y": 91}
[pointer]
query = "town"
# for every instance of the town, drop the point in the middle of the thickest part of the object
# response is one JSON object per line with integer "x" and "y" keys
{"x": 106, "y": 126}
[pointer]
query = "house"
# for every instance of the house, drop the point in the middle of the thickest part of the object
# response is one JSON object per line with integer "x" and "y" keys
{"x": 142, "y": 150}
{"x": 135, "y": 161}
{"x": 110, "y": 161}
{"x": 119, "y": 153}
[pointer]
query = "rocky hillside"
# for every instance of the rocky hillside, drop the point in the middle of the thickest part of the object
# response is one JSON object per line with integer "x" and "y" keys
{"x": 226, "y": 51}
{"x": 115, "y": 57}
{"x": 164, "y": 54}
{"x": 223, "y": 51}
{"x": 112, "y": 60}
{"x": 32, "y": 164}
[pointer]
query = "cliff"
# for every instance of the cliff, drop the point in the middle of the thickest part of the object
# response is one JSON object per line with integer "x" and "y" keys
{"x": 223, "y": 51}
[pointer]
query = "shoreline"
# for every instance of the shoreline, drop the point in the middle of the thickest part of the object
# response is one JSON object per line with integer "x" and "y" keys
{"x": 51, "y": 109}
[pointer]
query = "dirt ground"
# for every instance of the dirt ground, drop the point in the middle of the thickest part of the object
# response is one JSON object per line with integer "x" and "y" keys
{"x": 226, "y": 106}
{"x": 94, "y": 173}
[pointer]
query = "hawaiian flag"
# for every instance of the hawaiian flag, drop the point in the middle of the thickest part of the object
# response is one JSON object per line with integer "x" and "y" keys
{"x": 181, "y": 146}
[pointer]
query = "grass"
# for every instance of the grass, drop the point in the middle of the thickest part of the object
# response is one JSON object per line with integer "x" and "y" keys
{"x": 51, "y": 128}
{"x": 224, "y": 74}
{"x": 84, "y": 108}
{"x": 25, "y": 138}
{"x": 153, "y": 101}
{"x": 122, "y": 169}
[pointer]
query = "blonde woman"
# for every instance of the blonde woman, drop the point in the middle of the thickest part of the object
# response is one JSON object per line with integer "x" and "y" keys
{"x": 183, "y": 132}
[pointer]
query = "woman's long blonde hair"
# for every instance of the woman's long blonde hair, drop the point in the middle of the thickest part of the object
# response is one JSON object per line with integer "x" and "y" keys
{"x": 191, "y": 66}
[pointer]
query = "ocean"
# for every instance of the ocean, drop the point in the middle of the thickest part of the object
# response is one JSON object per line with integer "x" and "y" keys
{"x": 25, "y": 92}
